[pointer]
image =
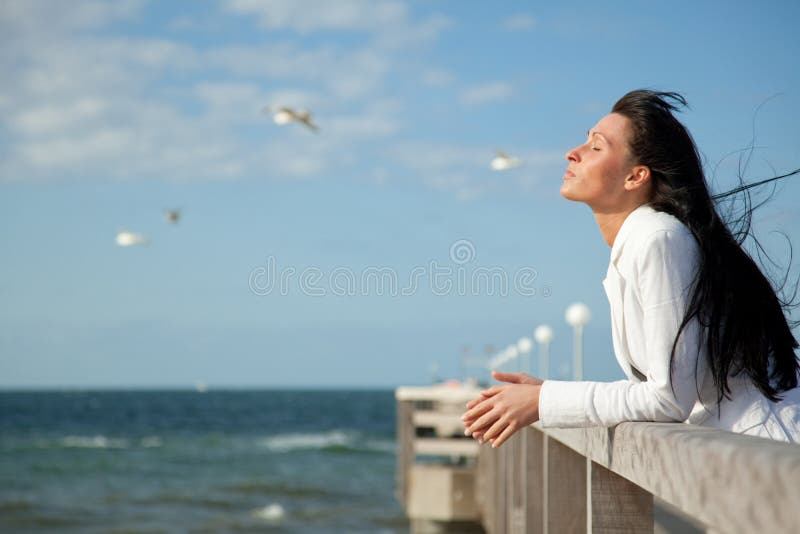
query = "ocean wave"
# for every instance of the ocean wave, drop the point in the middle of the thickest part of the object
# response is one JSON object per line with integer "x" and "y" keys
{"x": 272, "y": 512}
{"x": 336, "y": 441}
{"x": 294, "y": 442}
{"x": 93, "y": 442}
{"x": 85, "y": 442}
{"x": 185, "y": 499}
{"x": 284, "y": 490}
{"x": 151, "y": 442}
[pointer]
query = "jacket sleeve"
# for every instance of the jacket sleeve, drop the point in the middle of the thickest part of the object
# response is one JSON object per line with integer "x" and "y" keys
{"x": 663, "y": 271}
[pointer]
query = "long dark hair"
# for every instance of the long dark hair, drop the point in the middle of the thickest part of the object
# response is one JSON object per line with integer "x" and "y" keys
{"x": 742, "y": 314}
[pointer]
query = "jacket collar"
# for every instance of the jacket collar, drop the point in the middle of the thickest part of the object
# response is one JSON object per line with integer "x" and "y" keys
{"x": 628, "y": 226}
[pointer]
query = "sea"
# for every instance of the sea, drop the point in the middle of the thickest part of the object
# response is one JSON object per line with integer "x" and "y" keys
{"x": 191, "y": 461}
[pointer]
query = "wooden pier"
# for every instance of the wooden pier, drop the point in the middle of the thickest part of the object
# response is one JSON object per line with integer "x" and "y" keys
{"x": 636, "y": 477}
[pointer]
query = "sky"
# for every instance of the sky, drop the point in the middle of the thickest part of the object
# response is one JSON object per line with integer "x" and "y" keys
{"x": 379, "y": 251}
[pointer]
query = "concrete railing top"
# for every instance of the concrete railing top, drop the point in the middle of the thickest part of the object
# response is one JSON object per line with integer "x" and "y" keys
{"x": 735, "y": 482}
{"x": 443, "y": 393}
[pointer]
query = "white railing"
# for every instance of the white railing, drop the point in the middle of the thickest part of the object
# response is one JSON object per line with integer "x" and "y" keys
{"x": 606, "y": 480}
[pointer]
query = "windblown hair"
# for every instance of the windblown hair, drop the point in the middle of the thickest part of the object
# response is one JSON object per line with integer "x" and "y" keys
{"x": 742, "y": 314}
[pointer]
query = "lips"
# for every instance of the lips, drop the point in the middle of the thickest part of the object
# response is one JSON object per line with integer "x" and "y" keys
{"x": 569, "y": 174}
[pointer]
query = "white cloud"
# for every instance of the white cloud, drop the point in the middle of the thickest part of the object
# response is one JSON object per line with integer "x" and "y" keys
{"x": 465, "y": 169}
{"x": 387, "y": 20}
{"x": 519, "y": 22}
{"x": 438, "y": 158}
{"x": 437, "y": 78}
{"x": 448, "y": 167}
{"x": 488, "y": 92}
{"x": 293, "y": 98}
{"x": 134, "y": 109}
{"x": 229, "y": 94}
{"x": 79, "y": 104}
{"x": 541, "y": 169}
{"x": 426, "y": 31}
{"x": 362, "y": 126}
{"x": 49, "y": 118}
{"x": 346, "y": 74}
{"x": 99, "y": 144}
{"x": 306, "y": 16}
{"x": 55, "y": 16}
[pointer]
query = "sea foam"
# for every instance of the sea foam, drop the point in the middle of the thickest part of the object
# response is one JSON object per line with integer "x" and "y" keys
{"x": 271, "y": 512}
{"x": 293, "y": 442}
{"x": 93, "y": 442}
{"x": 337, "y": 440}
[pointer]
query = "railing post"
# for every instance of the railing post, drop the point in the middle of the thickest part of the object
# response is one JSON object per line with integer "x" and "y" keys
{"x": 566, "y": 489}
{"x": 533, "y": 480}
{"x": 489, "y": 456}
{"x": 618, "y": 505}
{"x": 405, "y": 447}
{"x": 500, "y": 482}
{"x": 515, "y": 519}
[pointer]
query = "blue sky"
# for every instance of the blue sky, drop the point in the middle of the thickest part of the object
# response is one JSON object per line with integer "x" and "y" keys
{"x": 112, "y": 112}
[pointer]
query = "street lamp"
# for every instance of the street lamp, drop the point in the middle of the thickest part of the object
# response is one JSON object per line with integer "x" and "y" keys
{"x": 503, "y": 357}
{"x": 577, "y": 315}
{"x": 524, "y": 346}
{"x": 543, "y": 336}
{"x": 511, "y": 353}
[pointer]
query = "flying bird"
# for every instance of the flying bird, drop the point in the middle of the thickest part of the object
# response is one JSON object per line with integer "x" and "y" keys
{"x": 286, "y": 115}
{"x": 172, "y": 216}
{"x": 127, "y": 239}
{"x": 503, "y": 161}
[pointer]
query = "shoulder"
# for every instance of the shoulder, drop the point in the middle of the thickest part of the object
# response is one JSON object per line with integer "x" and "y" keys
{"x": 657, "y": 231}
{"x": 658, "y": 249}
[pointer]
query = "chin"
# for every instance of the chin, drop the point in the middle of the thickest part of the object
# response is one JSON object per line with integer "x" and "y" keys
{"x": 566, "y": 193}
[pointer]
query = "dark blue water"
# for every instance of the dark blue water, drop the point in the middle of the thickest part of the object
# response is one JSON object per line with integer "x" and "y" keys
{"x": 221, "y": 461}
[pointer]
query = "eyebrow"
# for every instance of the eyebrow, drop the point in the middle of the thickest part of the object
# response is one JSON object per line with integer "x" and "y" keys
{"x": 590, "y": 133}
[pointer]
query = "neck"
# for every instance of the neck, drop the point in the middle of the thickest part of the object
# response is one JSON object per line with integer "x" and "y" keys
{"x": 611, "y": 221}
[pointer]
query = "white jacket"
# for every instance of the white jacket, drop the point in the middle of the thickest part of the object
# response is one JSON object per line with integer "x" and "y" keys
{"x": 650, "y": 275}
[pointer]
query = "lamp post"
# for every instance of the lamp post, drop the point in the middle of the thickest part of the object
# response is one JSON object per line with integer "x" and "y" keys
{"x": 434, "y": 370}
{"x": 524, "y": 346}
{"x": 465, "y": 350}
{"x": 488, "y": 351}
{"x": 543, "y": 336}
{"x": 503, "y": 357}
{"x": 577, "y": 316}
{"x": 511, "y": 353}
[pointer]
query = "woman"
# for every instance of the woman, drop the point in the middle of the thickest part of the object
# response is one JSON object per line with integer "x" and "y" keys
{"x": 697, "y": 328}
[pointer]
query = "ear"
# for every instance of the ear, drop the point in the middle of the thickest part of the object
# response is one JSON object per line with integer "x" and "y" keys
{"x": 639, "y": 177}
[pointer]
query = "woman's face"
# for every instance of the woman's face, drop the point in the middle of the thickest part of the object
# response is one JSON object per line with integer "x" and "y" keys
{"x": 597, "y": 169}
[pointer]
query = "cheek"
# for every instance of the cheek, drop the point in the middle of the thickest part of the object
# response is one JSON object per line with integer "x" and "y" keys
{"x": 608, "y": 175}
{"x": 596, "y": 176}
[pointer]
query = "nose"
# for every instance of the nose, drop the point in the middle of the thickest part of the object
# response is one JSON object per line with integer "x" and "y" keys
{"x": 572, "y": 155}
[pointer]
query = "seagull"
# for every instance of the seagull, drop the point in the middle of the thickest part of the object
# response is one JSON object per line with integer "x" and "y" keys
{"x": 286, "y": 115}
{"x": 503, "y": 161}
{"x": 127, "y": 239}
{"x": 172, "y": 216}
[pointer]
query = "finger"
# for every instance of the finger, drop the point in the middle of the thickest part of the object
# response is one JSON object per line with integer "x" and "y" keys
{"x": 496, "y": 429}
{"x": 512, "y": 378}
{"x": 507, "y": 433}
{"x": 492, "y": 391}
{"x": 477, "y": 411}
{"x": 473, "y": 402}
{"x": 467, "y": 424}
{"x": 484, "y": 421}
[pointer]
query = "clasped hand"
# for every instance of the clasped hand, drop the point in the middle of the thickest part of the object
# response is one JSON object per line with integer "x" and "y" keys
{"x": 500, "y": 411}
